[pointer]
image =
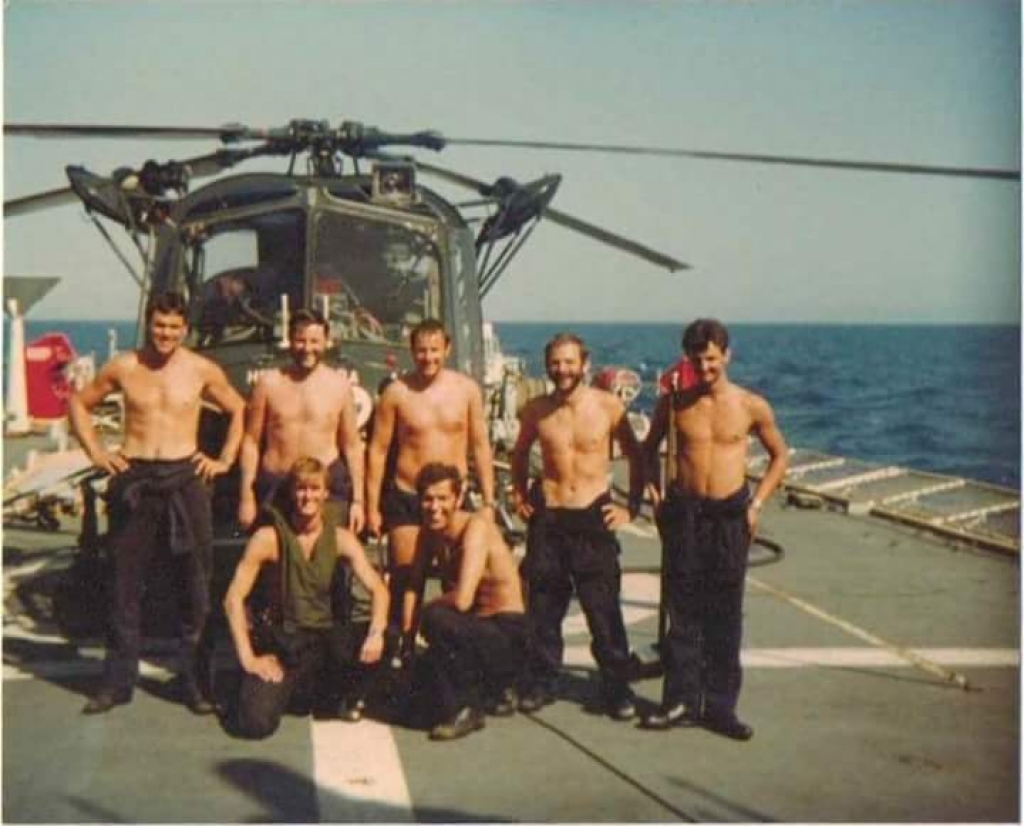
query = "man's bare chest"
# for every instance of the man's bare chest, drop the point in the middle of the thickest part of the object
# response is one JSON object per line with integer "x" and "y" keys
{"x": 423, "y": 414}
{"x": 304, "y": 405}
{"x": 707, "y": 422}
{"x": 583, "y": 430}
{"x": 172, "y": 393}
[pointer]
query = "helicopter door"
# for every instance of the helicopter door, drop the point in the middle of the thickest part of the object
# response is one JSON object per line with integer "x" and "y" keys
{"x": 376, "y": 279}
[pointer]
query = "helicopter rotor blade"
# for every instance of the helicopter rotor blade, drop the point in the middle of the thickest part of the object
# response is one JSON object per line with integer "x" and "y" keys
{"x": 39, "y": 201}
{"x": 228, "y": 133}
{"x": 201, "y": 166}
{"x": 786, "y": 160}
{"x": 612, "y": 239}
{"x": 567, "y": 221}
{"x": 456, "y": 178}
{"x": 235, "y": 132}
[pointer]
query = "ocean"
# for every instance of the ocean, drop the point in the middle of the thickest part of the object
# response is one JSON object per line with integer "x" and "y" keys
{"x": 943, "y": 398}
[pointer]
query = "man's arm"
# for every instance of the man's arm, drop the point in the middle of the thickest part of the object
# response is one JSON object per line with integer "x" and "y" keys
{"x": 483, "y": 457}
{"x": 471, "y": 568}
{"x": 261, "y": 549}
{"x": 771, "y": 439}
{"x": 414, "y": 589}
{"x": 249, "y": 455}
{"x": 350, "y": 445}
{"x": 80, "y": 407}
{"x": 350, "y": 549}
{"x": 219, "y": 390}
{"x": 377, "y": 455}
{"x": 622, "y": 430}
{"x": 649, "y": 450}
{"x": 520, "y": 460}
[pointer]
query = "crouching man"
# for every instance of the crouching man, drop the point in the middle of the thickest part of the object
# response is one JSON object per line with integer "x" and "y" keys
{"x": 305, "y": 636}
{"x": 476, "y": 628}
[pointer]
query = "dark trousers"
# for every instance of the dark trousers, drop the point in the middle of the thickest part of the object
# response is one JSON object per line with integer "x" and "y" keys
{"x": 471, "y": 659}
{"x": 325, "y": 664}
{"x": 705, "y": 544}
{"x": 571, "y": 550}
{"x": 138, "y": 537}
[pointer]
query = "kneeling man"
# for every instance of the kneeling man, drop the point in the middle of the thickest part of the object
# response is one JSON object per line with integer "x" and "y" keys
{"x": 302, "y": 553}
{"x": 476, "y": 628}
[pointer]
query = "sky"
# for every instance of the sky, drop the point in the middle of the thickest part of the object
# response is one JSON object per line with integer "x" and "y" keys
{"x": 917, "y": 81}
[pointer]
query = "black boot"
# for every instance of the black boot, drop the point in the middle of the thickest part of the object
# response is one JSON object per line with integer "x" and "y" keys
{"x": 465, "y": 722}
{"x": 536, "y": 697}
{"x": 106, "y": 698}
{"x": 668, "y": 716}
{"x": 728, "y": 725}
{"x": 194, "y": 699}
{"x": 504, "y": 703}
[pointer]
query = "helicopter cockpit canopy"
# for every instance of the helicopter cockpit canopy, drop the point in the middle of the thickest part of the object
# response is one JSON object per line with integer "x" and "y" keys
{"x": 252, "y": 252}
{"x": 375, "y": 279}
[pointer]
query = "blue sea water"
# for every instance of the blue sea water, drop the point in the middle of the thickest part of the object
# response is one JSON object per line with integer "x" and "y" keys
{"x": 940, "y": 398}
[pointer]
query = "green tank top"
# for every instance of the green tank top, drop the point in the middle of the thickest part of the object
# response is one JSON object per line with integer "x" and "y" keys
{"x": 306, "y": 583}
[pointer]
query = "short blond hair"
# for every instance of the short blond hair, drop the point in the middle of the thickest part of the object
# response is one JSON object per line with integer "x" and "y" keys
{"x": 306, "y": 467}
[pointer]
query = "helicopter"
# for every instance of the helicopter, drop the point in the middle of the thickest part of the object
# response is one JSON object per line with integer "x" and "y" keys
{"x": 350, "y": 230}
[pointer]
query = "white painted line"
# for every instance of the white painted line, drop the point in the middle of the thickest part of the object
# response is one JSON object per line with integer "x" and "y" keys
{"x": 19, "y": 632}
{"x": 636, "y": 530}
{"x": 15, "y": 574}
{"x": 642, "y": 588}
{"x": 875, "y": 657}
{"x": 576, "y": 623}
{"x": 358, "y": 773}
{"x": 77, "y": 668}
{"x": 579, "y": 656}
{"x": 89, "y": 663}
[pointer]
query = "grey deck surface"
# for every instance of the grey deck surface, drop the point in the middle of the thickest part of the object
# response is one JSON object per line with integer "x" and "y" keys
{"x": 834, "y": 742}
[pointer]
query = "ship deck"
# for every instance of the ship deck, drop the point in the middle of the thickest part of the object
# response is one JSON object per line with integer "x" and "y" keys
{"x": 848, "y": 726}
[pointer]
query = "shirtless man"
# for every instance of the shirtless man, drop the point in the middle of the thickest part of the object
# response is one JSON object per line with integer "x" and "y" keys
{"x": 572, "y": 520}
{"x": 303, "y": 550}
{"x": 431, "y": 414}
{"x": 304, "y": 409}
{"x": 158, "y": 496}
{"x": 476, "y": 628}
{"x": 707, "y": 521}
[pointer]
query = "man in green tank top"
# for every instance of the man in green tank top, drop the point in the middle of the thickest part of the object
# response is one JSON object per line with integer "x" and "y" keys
{"x": 306, "y": 633}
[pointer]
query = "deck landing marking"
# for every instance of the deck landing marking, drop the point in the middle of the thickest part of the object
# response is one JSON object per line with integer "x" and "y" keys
{"x": 579, "y": 656}
{"x": 875, "y": 657}
{"x": 636, "y": 588}
{"x": 358, "y": 773}
{"x": 636, "y": 530}
{"x": 919, "y": 660}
